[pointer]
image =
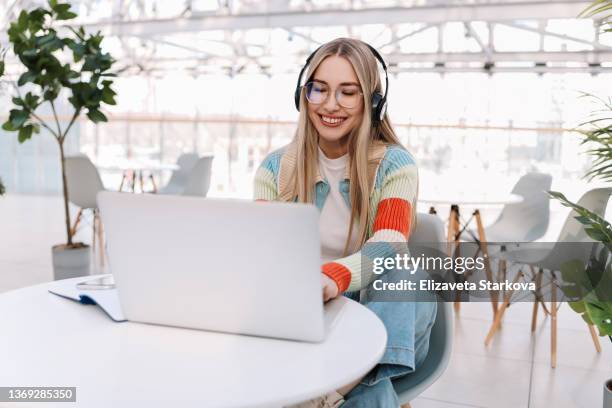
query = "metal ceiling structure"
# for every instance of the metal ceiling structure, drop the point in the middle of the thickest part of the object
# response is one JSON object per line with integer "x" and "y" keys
{"x": 217, "y": 36}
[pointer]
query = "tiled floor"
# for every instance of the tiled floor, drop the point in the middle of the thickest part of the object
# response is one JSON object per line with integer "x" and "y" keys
{"x": 514, "y": 371}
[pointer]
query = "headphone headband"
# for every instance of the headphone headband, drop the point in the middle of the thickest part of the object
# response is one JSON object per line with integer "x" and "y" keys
{"x": 379, "y": 101}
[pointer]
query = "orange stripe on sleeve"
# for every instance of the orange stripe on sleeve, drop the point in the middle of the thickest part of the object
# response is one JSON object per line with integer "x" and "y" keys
{"x": 394, "y": 214}
{"x": 339, "y": 274}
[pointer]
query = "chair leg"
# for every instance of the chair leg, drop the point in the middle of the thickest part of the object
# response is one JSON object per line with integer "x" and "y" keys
{"x": 100, "y": 238}
{"x": 534, "y": 316}
{"x": 94, "y": 237}
{"x": 152, "y": 177}
{"x": 453, "y": 230}
{"x": 485, "y": 253}
{"x": 500, "y": 313}
{"x": 553, "y": 325}
{"x": 76, "y": 222}
{"x": 536, "y": 301}
{"x": 595, "y": 338}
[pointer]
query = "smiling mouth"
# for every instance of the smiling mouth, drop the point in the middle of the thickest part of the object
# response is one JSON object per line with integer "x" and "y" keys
{"x": 331, "y": 121}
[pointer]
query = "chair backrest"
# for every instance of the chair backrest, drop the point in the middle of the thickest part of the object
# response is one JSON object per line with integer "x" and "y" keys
{"x": 438, "y": 357}
{"x": 185, "y": 162}
{"x": 429, "y": 229}
{"x": 198, "y": 181}
{"x": 429, "y": 232}
{"x": 528, "y": 220}
{"x": 83, "y": 181}
{"x": 596, "y": 201}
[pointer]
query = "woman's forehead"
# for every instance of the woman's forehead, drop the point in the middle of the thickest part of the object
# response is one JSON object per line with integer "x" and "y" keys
{"x": 335, "y": 70}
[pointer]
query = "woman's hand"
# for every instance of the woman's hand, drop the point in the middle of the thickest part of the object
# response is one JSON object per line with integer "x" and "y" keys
{"x": 330, "y": 289}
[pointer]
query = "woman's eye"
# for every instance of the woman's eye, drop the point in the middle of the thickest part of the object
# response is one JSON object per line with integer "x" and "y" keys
{"x": 349, "y": 92}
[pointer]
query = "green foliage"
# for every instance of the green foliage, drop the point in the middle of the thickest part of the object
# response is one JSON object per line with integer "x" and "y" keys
{"x": 601, "y": 9}
{"x": 57, "y": 59}
{"x": 589, "y": 285}
{"x": 42, "y": 50}
{"x": 596, "y": 227}
{"x": 2, "y": 190}
{"x": 597, "y": 132}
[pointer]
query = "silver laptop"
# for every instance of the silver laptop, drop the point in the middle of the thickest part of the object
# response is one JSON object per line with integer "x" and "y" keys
{"x": 224, "y": 265}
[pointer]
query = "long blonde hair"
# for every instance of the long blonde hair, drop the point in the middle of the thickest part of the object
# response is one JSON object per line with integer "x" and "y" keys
{"x": 306, "y": 138}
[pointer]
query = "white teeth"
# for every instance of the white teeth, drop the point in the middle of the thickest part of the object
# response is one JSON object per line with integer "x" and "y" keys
{"x": 331, "y": 120}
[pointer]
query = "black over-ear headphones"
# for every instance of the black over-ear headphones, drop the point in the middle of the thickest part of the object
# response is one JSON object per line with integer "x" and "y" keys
{"x": 379, "y": 101}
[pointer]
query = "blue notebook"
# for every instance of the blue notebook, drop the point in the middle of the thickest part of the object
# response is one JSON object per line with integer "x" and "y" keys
{"x": 92, "y": 290}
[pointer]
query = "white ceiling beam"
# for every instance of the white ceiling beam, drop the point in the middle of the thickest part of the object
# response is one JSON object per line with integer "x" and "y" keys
{"x": 544, "y": 32}
{"x": 588, "y": 57}
{"x": 336, "y": 17}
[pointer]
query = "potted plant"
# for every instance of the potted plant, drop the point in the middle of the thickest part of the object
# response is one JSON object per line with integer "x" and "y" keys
{"x": 59, "y": 60}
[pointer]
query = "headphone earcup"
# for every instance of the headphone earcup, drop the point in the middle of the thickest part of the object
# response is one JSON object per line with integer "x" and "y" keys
{"x": 379, "y": 107}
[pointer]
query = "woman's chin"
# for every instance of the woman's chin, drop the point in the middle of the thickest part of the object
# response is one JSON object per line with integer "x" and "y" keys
{"x": 332, "y": 135}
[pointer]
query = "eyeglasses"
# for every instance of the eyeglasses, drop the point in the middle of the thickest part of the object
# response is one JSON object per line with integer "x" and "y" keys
{"x": 347, "y": 96}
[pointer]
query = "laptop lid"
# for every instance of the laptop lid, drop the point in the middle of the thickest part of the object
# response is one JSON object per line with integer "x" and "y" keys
{"x": 225, "y": 265}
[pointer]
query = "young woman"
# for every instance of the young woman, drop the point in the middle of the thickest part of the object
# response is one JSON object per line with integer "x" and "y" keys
{"x": 346, "y": 159}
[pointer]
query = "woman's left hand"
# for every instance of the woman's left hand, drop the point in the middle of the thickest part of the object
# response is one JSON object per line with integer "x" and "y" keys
{"x": 330, "y": 289}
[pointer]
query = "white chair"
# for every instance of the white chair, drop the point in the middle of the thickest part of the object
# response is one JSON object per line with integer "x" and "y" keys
{"x": 176, "y": 184}
{"x": 198, "y": 181}
{"x": 552, "y": 258}
{"x": 429, "y": 231}
{"x": 525, "y": 221}
{"x": 84, "y": 183}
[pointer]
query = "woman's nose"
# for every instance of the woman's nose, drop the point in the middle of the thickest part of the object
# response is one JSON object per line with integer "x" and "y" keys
{"x": 331, "y": 104}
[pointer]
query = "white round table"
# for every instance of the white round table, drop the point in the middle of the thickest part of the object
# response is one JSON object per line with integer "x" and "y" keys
{"x": 50, "y": 341}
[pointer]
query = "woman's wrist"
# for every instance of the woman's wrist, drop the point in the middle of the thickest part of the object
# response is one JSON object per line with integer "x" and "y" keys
{"x": 339, "y": 274}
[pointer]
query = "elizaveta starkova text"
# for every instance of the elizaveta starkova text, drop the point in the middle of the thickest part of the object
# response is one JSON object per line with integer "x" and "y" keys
{"x": 433, "y": 286}
{"x": 430, "y": 263}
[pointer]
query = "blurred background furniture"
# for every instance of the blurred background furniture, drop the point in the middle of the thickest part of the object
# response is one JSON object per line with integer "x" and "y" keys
{"x": 198, "y": 180}
{"x": 523, "y": 218}
{"x": 84, "y": 183}
{"x": 527, "y": 220}
{"x": 547, "y": 264}
{"x": 178, "y": 179}
{"x": 136, "y": 172}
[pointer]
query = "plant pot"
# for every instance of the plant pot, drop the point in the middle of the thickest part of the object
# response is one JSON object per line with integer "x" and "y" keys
{"x": 607, "y": 394}
{"x": 71, "y": 262}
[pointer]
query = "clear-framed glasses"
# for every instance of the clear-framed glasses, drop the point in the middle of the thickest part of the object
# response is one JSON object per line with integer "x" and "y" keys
{"x": 348, "y": 96}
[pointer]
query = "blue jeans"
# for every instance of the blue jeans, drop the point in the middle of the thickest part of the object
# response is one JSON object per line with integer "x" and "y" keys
{"x": 408, "y": 325}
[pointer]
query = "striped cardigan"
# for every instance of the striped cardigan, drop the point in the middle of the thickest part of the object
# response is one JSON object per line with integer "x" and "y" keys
{"x": 393, "y": 177}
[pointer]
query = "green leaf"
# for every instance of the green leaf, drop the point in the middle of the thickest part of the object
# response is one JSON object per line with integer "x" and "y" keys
{"x": 68, "y": 15}
{"x": 8, "y": 126}
{"x": 28, "y": 76}
{"x": 25, "y": 133}
{"x": 96, "y": 116}
{"x": 18, "y": 117}
{"x": 108, "y": 95}
{"x": 600, "y": 313}
{"x": 22, "y": 20}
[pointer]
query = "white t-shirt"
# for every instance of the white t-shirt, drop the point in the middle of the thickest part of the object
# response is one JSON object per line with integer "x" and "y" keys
{"x": 335, "y": 214}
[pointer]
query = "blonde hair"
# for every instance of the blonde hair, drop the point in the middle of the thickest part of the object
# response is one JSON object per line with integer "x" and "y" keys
{"x": 362, "y": 136}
